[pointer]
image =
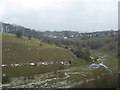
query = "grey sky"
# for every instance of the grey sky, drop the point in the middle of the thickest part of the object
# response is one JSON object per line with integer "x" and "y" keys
{"x": 77, "y": 15}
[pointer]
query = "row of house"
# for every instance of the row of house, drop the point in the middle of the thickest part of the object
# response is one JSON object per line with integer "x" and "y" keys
{"x": 71, "y": 34}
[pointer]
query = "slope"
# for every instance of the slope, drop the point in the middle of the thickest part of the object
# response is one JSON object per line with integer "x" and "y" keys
{"x": 23, "y": 50}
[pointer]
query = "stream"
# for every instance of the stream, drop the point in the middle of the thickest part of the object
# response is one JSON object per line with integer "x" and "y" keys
{"x": 96, "y": 66}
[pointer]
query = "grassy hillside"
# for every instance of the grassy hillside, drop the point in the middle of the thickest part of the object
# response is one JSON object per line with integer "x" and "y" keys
{"x": 23, "y": 50}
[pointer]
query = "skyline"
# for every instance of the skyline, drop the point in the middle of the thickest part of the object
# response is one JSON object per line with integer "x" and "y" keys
{"x": 75, "y": 15}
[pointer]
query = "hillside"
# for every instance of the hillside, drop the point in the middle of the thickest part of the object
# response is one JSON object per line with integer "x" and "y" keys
{"x": 59, "y": 67}
{"x": 23, "y": 50}
{"x": 49, "y": 61}
{"x": 24, "y": 57}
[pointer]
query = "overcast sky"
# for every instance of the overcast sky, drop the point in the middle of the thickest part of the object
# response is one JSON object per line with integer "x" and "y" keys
{"x": 77, "y": 15}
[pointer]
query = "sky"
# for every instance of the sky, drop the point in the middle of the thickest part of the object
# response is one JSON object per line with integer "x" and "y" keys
{"x": 76, "y": 15}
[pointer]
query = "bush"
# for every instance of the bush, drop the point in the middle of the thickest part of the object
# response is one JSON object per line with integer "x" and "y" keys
{"x": 95, "y": 44}
{"x": 83, "y": 53}
{"x": 19, "y": 34}
{"x": 5, "y": 79}
{"x": 61, "y": 68}
{"x": 29, "y": 37}
{"x": 109, "y": 80}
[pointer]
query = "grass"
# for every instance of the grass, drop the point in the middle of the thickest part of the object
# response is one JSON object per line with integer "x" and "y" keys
{"x": 109, "y": 80}
{"x": 48, "y": 52}
{"x": 29, "y": 70}
{"x": 21, "y": 50}
{"x": 111, "y": 59}
{"x": 78, "y": 62}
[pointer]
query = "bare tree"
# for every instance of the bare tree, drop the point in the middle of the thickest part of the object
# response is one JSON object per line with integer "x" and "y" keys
{"x": 19, "y": 34}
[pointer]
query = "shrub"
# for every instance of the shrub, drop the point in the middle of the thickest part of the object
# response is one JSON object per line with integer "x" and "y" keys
{"x": 5, "y": 79}
{"x": 83, "y": 53}
{"x": 19, "y": 34}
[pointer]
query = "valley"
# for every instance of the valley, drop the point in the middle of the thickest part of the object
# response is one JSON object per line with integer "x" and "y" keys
{"x": 73, "y": 62}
